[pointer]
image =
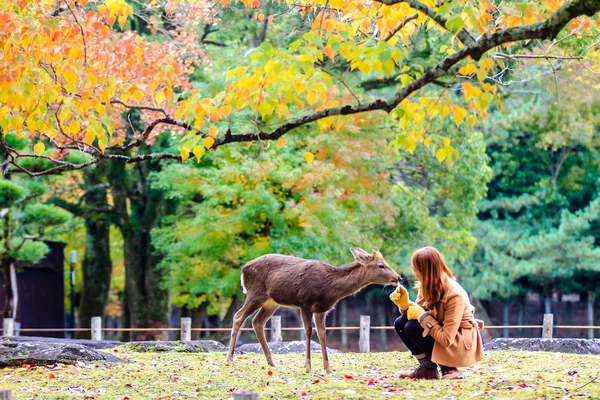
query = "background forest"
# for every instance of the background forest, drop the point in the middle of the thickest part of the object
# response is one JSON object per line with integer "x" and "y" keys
{"x": 513, "y": 206}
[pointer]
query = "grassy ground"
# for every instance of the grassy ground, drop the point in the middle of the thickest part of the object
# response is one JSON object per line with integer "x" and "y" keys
{"x": 502, "y": 375}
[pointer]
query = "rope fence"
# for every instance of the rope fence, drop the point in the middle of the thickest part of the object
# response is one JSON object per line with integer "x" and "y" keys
{"x": 276, "y": 329}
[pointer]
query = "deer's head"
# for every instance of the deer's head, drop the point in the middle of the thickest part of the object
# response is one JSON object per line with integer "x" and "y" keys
{"x": 374, "y": 267}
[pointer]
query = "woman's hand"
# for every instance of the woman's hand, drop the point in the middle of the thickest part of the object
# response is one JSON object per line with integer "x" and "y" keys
{"x": 400, "y": 298}
{"x": 414, "y": 312}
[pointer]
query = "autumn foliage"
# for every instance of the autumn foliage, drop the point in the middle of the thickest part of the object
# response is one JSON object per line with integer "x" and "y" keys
{"x": 69, "y": 71}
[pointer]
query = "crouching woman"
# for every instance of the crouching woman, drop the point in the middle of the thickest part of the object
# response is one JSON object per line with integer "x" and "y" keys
{"x": 439, "y": 328}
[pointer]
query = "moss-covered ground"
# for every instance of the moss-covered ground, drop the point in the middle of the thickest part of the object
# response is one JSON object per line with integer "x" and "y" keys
{"x": 502, "y": 375}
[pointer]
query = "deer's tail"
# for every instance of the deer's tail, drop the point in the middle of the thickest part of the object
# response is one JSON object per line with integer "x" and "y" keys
{"x": 242, "y": 282}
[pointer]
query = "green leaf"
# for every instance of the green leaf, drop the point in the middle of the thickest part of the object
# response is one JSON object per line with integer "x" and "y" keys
{"x": 455, "y": 24}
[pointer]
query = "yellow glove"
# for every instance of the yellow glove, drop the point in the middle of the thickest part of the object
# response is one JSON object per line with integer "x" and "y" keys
{"x": 400, "y": 298}
{"x": 414, "y": 312}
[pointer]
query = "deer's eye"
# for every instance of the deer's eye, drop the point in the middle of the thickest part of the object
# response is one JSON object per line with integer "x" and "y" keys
{"x": 381, "y": 266}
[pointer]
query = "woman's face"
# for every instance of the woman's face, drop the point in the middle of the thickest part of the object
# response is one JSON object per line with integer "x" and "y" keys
{"x": 417, "y": 274}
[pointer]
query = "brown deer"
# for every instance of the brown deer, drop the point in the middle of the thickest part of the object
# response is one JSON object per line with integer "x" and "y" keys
{"x": 275, "y": 280}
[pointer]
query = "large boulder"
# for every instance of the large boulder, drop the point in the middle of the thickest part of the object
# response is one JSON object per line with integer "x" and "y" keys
{"x": 193, "y": 346}
{"x": 284, "y": 347}
{"x": 575, "y": 346}
{"x": 21, "y": 353}
{"x": 94, "y": 344}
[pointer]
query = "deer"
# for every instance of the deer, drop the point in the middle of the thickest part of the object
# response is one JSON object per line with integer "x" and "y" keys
{"x": 274, "y": 280}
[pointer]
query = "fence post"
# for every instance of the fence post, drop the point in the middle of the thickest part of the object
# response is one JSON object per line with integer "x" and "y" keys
{"x": 276, "y": 329}
{"x": 548, "y": 323}
{"x": 186, "y": 329}
{"x": 8, "y": 327}
{"x": 245, "y": 395}
{"x": 590, "y": 313}
{"x": 96, "y": 328}
{"x": 364, "y": 342}
{"x": 5, "y": 394}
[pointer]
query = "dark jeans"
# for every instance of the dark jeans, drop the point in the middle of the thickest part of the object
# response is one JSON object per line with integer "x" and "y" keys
{"x": 411, "y": 334}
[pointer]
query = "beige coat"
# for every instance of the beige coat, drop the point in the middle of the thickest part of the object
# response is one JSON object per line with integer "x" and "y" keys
{"x": 452, "y": 324}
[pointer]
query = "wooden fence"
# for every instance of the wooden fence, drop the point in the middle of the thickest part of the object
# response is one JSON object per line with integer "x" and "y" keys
{"x": 276, "y": 329}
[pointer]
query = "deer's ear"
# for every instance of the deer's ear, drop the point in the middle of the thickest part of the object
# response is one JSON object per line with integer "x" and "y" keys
{"x": 377, "y": 254}
{"x": 360, "y": 255}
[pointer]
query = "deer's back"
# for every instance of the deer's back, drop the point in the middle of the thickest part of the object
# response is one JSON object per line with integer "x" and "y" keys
{"x": 289, "y": 281}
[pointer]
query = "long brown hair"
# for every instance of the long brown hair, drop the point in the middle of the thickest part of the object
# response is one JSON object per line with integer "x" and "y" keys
{"x": 430, "y": 264}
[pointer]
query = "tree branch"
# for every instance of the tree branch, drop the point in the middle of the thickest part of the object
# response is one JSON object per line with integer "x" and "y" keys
{"x": 547, "y": 29}
{"x": 463, "y": 35}
{"x": 399, "y": 27}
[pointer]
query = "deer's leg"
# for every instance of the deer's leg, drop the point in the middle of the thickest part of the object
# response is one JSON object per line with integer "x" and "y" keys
{"x": 321, "y": 330}
{"x": 258, "y": 323}
{"x": 250, "y": 305}
{"x": 307, "y": 315}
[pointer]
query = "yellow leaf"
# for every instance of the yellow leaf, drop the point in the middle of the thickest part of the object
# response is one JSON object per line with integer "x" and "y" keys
{"x": 336, "y": 3}
{"x": 208, "y": 142}
{"x": 427, "y": 142}
{"x": 471, "y": 120}
{"x": 89, "y": 137}
{"x": 138, "y": 95}
{"x": 280, "y": 143}
{"x": 199, "y": 152}
{"x": 185, "y": 153}
{"x": 39, "y": 148}
{"x": 102, "y": 142}
{"x": 459, "y": 114}
{"x": 441, "y": 154}
{"x": 213, "y": 131}
{"x": 446, "y": 142}
{"x": 364, "y": 67}
{"x": 309, "y": 157}
{"x": 468, "y": 69}
{"x": 159, "y": 97}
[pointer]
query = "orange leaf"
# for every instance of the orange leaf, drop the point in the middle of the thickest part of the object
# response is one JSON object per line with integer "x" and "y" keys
{"x": 280, "y": 143}
{"x": 51, "y": 376}
{"x": 213, "y": 131}
{"x": 328, "y": 51}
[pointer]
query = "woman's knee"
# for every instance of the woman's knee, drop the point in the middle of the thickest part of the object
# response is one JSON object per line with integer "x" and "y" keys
{"x": 399, "y": 323}
{"x": 413, "y": 329}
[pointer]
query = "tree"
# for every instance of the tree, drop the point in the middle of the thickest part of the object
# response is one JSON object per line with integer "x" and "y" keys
{"x": 68, "y": 99}
{"x": 24, "y": 224}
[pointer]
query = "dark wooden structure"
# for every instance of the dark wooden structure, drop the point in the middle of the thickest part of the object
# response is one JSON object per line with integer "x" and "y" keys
{"x": 41, "y": 294}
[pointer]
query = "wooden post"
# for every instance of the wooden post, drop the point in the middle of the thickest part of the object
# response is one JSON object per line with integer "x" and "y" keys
{"x": 245, "y": 395}
{"x": 364, "y": 342}
{"x": 186, "y": 329}
{"x": 547, "y": 329}
{"x": 590, "y": 313}
{"x": 276, "y": 329}
{"x": 96, "y": 328}
{"x": 8, "y": 327}
{"x": 5, "y": 394}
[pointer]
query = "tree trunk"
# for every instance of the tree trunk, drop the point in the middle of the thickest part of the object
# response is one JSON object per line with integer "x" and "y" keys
{"x": 8, "y": 311}
{"x": 505, "y": 318}
{"x": 139, "y": 208}
{"x": 590, "y": 313}
{"x": 344, "y": 323}
{"x": 96, "y": 263}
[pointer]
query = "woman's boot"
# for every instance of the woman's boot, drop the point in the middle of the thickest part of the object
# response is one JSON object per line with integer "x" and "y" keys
{"x": 426, "y": 369}
{"x": 450, "y": 372}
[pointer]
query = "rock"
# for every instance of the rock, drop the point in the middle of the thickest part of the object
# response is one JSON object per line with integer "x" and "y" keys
{"x": 15, "y": 354}
{"x": 193, "y": 346}
{"x": 94, "y": 344}
{"x": 284, "y": 347}
{"x": 574, "y": 346}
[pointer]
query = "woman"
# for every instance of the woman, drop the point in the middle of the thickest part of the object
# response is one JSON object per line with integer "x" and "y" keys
{"x": 439, "y": 329}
